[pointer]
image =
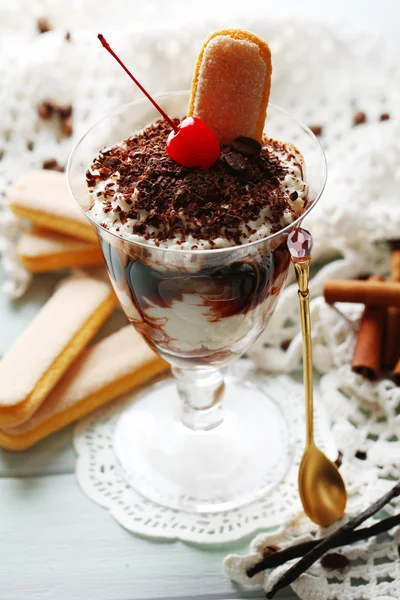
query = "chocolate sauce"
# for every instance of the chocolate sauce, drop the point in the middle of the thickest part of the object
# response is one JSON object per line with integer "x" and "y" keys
{"x": 225, "y": 291}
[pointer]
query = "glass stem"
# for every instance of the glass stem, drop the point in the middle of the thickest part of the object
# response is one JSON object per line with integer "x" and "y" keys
{"x": 201, "y": 391}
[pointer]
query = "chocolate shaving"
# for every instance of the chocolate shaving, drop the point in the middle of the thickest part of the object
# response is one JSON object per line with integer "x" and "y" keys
{"x": 384, "y": 117}
{"x": 203, "y": 204}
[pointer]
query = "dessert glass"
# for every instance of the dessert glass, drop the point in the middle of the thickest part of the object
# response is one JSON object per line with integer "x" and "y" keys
{"x": 202, "y": 441}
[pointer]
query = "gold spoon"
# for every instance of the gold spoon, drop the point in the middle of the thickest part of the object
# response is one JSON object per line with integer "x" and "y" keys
{"x": 322, "y": 491}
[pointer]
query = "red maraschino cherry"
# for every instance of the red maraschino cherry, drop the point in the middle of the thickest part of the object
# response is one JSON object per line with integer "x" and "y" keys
{"x": 191, "y": 143}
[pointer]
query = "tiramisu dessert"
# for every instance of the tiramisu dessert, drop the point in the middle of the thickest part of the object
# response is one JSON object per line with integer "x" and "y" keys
{"x": 184, "y": 197}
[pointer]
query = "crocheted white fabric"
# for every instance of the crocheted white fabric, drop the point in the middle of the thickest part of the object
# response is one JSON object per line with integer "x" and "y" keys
{"x": 322, "y": 75}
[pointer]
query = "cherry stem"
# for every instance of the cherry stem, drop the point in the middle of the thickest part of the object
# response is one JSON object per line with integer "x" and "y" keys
{"x": 160, "y": 110}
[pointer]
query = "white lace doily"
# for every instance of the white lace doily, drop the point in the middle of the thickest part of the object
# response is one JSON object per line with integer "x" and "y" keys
{"x": 100, "y": 477}
{"x": 322, "y": 75}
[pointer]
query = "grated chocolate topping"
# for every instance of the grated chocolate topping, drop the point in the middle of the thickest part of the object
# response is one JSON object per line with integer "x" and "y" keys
{"x": 173, "y": 202}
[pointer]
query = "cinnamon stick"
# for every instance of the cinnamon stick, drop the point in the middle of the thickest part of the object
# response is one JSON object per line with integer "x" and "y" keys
{"x": 395, "y": 265}
{"x": 330, "y": 541}
{"x": 396, "y": 373}
{"x": 368, "y": 349}
{"x": 370, "y": 293}
{"x": 391, "y": 351}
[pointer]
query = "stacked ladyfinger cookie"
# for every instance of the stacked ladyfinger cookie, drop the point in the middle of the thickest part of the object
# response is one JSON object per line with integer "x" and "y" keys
{"x": 59, "y": 236}
{"x": 50, "y": 377}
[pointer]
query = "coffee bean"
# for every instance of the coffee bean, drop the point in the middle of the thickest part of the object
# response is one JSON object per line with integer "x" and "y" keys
{"x": 359, "y": 118}
{"x": 316, "y": 129}
{"x": 246, "y": 146}
{"x": 334, "y": 560}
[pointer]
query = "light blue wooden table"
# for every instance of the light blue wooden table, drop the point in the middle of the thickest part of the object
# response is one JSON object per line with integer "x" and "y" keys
{"x": 55, "y": 544}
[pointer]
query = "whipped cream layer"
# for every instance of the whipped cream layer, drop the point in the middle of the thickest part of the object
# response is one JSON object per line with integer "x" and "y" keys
{"x": 206, "y": 314}
{"x": 186, "y": 329}
{"x": 138, "y": 193}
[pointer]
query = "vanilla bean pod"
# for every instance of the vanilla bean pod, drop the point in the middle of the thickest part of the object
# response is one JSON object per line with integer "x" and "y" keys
{"x": 331, "y": 541}
{"x": 280, "y": 557}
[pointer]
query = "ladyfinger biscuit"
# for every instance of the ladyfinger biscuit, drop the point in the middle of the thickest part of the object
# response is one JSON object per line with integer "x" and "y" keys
{"x": 41, "y": 251}
{"x": 231, "y": 84}
{"x": 50, "y": 344}
{"x": 42, "y": 197}
{"x": 114, "y": 366}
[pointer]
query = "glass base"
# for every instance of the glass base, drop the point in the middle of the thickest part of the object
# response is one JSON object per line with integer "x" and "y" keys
{"x": 224, "y": 468}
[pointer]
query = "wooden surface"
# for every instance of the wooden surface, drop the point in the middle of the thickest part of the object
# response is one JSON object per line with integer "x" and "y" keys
{"x": 55, "y": 544}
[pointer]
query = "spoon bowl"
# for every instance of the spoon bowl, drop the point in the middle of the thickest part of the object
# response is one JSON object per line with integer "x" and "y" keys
{"x": 321, "y": 487}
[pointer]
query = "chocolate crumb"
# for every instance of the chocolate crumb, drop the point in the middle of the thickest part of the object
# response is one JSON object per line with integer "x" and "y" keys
{"x": 359, "y": 118}
{"x": 246, "y": 146}
{"x": 334, "y": 560}
{"x": 50, "y": 164}
{"x": 361, "y": 455}
{"x": 285, "y": 344}
{"x": 66, "y": 127}
{"x": 67, "y": 36}
{"x": 339, "y": 460}
{"x": 316, "y": 129}
{"x": 384, "y": 117}
{"x": 294, "y": 195}
{"x": 43, "y": 25}
{"x": 45, "y": 109}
